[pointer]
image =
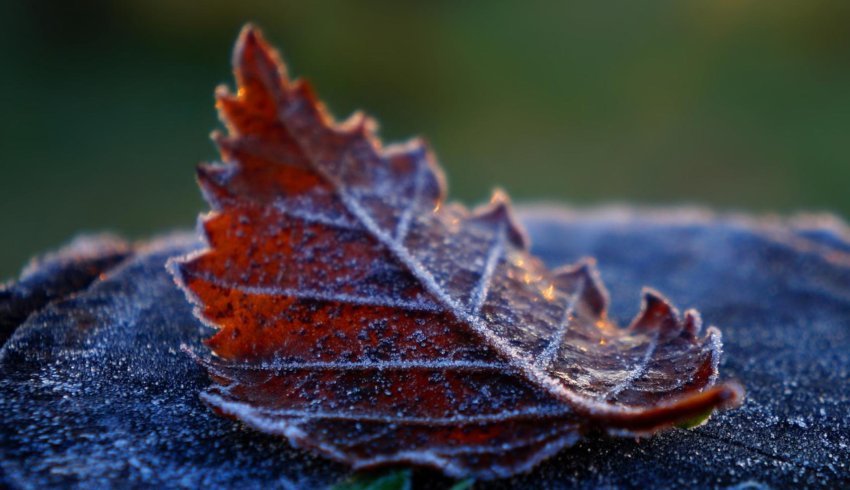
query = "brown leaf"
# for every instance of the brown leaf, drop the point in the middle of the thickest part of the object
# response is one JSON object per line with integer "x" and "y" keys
{"x": 363, "y": 317}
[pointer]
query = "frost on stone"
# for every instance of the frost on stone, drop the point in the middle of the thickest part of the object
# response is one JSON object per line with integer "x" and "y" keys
{"x": 362, "y": 316}
{"x": 57, "y": 275}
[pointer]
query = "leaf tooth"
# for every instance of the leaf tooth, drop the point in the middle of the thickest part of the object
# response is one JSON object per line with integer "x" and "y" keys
{"x": 498, "y": 212}
{"x": 656, "y": 314}
{"x": 212, "y": 180}
{"x": 584, "y": 274}
{"x": 416, "y": 154}
{"x": 692, "y": 322}
{"x": 360, "y": 125}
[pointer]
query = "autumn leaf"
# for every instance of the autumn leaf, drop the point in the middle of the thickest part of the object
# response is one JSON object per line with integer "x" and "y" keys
{"x": 363, "y": 317}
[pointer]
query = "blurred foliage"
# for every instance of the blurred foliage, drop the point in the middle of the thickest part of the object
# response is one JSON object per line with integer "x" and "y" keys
{"x": 402, "y": 479}
{"x": 731, "y": 103}
{"x": 395, "y": 480}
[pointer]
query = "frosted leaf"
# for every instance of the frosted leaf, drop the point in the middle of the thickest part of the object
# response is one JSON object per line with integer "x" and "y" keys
{"x": 362, "y": 316}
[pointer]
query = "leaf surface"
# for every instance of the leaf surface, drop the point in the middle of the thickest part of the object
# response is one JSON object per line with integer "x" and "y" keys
{"x": 363, "y": 316}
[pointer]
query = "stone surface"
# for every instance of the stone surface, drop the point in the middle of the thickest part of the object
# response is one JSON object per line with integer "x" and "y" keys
{"x": 57, "y": 275}
{"x": 95, "y": 391}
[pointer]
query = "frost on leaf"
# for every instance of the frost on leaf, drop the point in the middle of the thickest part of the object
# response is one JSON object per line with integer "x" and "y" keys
{"x": 362, "y": 316}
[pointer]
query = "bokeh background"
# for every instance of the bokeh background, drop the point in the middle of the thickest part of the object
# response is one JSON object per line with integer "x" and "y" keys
{"x": 735, "y": 104}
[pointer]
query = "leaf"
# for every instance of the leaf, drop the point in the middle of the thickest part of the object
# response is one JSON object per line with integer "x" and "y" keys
{"x": 466, "y": 484}
{"x": 363, "y": 317}
{"x": 396, "y": 480}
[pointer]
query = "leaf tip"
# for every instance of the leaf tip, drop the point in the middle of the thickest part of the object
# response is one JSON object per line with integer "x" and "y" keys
{"x": 254, "y": 58}
{"x": 250, "y": 36}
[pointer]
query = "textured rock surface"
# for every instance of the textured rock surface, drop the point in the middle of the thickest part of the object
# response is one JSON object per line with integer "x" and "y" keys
{"x": 57, "y": 275}
{"x": 96, "y": 392}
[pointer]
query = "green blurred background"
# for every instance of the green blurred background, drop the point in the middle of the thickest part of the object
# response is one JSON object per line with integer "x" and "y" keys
{"x": 107, "y": 106}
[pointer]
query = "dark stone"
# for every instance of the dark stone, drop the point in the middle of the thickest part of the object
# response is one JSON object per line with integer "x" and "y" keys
{"x": 57, "y": 275}
{"x": 96, "y": 393}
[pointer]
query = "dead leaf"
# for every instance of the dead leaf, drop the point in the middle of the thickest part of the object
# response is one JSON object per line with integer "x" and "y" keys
{"x": 363, "y": 317}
